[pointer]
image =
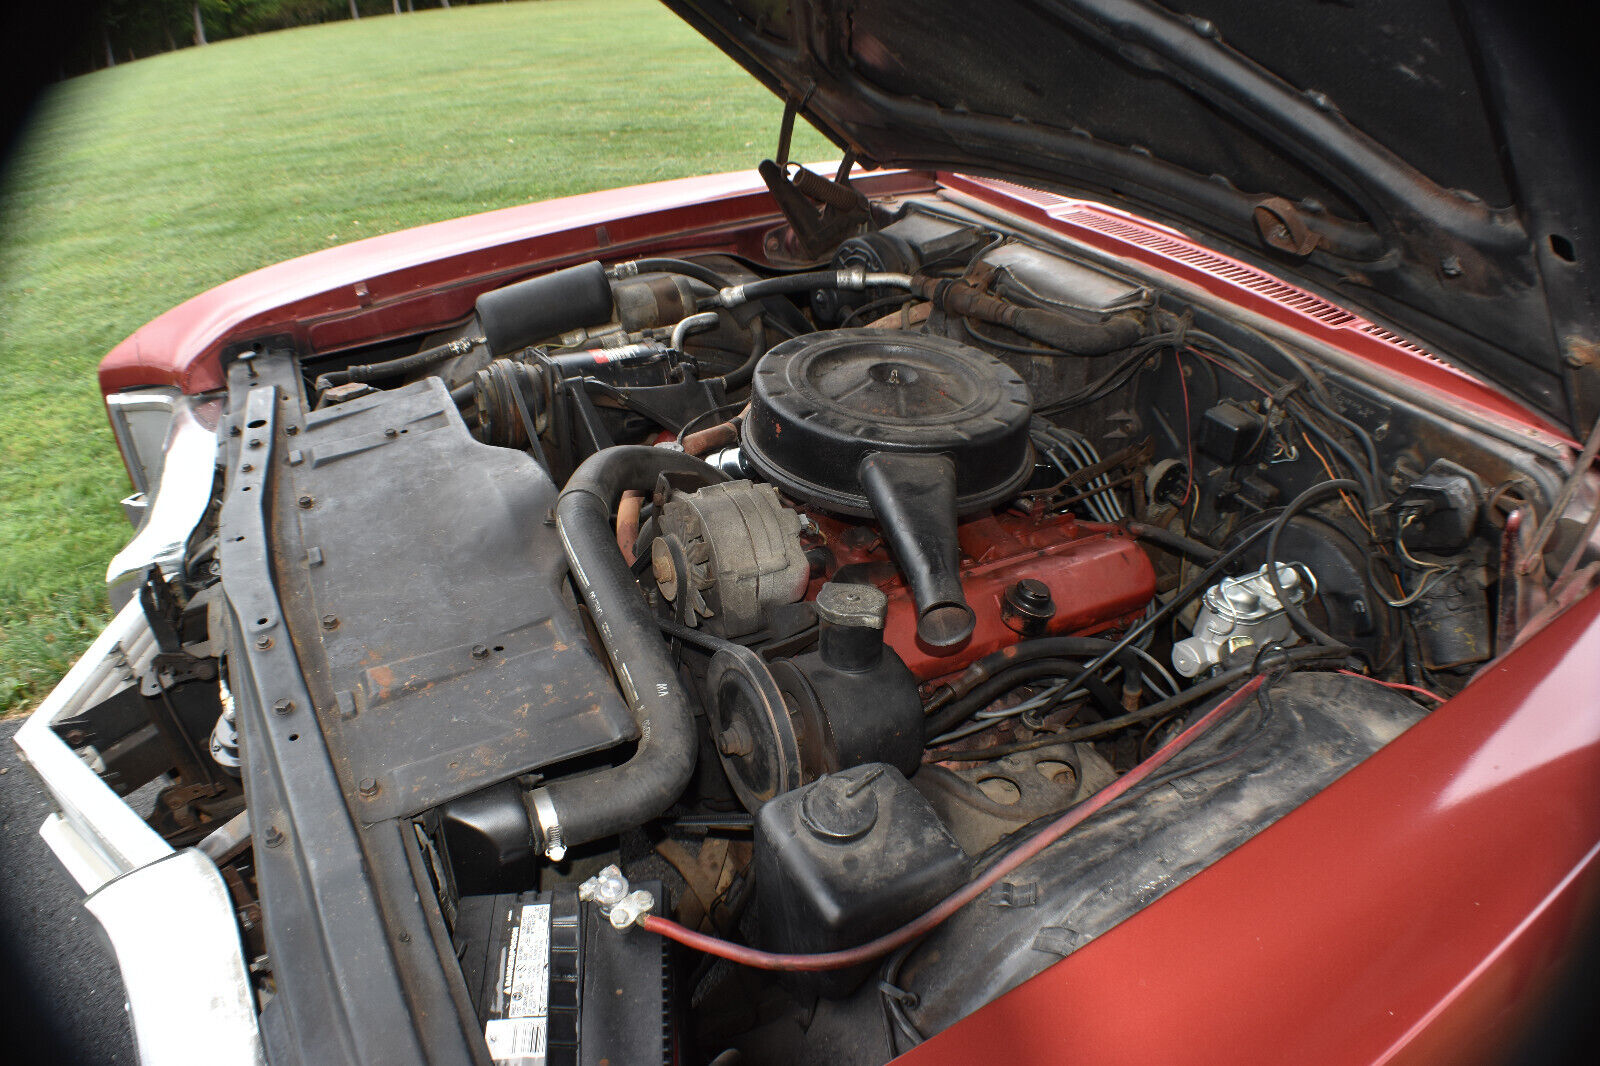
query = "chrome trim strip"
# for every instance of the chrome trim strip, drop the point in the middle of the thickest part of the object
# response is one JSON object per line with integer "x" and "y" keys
{"x": 172, "y": 927}
{"x": 187, "y": 475}
{"x": 97, "y": 816}
{"x": 141, "y": 460}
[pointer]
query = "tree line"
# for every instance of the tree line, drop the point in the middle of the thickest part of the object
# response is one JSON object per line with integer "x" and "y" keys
{"x": 125, "y": 30}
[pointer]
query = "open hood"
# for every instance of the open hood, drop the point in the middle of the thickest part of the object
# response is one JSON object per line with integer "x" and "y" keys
{"x": 1416, "y": 160}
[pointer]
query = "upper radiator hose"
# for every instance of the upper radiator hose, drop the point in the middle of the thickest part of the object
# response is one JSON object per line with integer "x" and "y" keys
{"x": 581, "y": 809}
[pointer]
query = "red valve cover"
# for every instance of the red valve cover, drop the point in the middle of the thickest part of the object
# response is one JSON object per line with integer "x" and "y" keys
{"x": 1098, "y": 578}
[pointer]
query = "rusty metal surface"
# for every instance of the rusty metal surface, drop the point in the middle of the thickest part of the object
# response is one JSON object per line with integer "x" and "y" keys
{"x": 338, "y": 984}
{"x": 442, "y": 643}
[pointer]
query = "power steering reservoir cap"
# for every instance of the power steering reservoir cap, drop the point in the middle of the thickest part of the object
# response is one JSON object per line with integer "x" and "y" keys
{"x": 843, "y": 604}
{"x": 841, "y": 807}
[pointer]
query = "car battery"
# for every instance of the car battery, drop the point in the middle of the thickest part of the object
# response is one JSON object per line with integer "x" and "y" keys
{"x": 556, "y": 985}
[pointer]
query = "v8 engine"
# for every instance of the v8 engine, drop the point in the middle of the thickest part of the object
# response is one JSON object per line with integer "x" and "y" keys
{"x": 779, "y": 610}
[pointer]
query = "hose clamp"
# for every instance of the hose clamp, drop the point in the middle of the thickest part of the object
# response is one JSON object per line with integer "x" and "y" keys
{"x": 548, "y": 824}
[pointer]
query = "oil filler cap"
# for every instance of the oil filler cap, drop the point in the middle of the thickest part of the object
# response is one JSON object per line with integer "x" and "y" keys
{"x": 842, "y": 807}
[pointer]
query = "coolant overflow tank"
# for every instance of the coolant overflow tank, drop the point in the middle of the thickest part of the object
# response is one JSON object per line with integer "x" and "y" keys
{"x": 847, "y": 858}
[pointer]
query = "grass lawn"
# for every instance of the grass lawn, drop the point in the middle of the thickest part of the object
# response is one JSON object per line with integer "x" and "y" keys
{"x": 142, "y": 185}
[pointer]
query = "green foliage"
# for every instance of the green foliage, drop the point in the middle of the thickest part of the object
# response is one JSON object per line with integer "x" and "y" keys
{"x": 142, "y": 185}
{"x": 134, "y": 29}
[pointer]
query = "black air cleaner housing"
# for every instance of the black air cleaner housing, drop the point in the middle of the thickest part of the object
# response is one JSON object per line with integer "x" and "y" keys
{"x": 908, "y": 429}
{"x": 822, "y": 403}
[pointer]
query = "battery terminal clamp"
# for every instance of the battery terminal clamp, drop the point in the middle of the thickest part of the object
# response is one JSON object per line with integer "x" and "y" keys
{"x": 610, "y": 891}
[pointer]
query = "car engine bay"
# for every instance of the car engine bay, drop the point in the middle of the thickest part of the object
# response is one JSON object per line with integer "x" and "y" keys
{"x": 775, "y": 661}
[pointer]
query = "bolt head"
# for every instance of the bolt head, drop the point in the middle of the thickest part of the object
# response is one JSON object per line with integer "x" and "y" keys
{"x": 330, "y": 621}
{"x": 255, "y": 442}
{"x": 306, "y": 502}
{"x": 263, "y": 643}
{"x": 245, "y": 468}
{"x": 283, "y": 706}
{"x": 368, "y": 786}
{"x": 734, "y": 741}
{"x": 1580, "y": 353}
{"x": 391, "y": 432}
{"x": 607, "y": 888}
{"x": 663, "y": 569}
{"x": 274, "y": 836}
{"x": 480, "y": 652}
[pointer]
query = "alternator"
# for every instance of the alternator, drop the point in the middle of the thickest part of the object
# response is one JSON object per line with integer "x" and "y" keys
{"x": 728, "y": 554}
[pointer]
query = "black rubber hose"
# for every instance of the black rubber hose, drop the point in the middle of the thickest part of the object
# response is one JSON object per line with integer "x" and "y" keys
{"x": 577, "y": 810}
{"x": 393, "y": 368}
{"x": 681, "y": 266}
{"x": 1153, "y": 712}
{"x": 740, "y": 376}
{"x": 961, "y": 708}
{"x": 1296, "y": 616}
{"x": 1037, "y": 648}
{"x": 1054, "y": 329}
{"x": 787, "y": 285}
{"x": 1174, "y": 542}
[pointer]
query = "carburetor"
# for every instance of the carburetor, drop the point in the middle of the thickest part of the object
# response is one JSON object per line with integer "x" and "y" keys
{"x": 1241, "y": 612}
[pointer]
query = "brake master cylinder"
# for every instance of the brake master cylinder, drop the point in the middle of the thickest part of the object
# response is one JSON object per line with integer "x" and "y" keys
{"x": 1241, "y": 612}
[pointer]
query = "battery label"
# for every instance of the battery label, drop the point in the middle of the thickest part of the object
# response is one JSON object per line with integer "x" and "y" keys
{"x": 520, "y": 1037}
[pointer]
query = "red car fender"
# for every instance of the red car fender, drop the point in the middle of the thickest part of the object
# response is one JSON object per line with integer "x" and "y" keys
{"x": 1417, "y": 910}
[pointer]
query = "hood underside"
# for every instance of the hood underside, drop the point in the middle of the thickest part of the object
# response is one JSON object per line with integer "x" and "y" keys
{"x": 1416, "y": 160}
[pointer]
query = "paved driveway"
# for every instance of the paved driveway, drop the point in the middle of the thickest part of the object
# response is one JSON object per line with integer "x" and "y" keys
{"x": 63, "y": 1001}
